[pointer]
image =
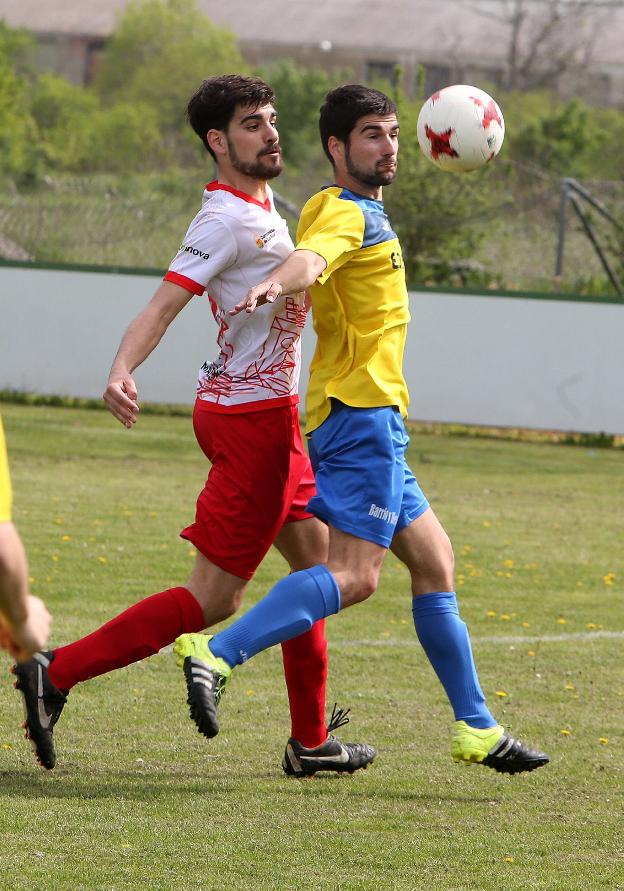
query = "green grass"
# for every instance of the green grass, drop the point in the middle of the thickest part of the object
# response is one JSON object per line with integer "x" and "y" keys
{"x": 140, "y": 801}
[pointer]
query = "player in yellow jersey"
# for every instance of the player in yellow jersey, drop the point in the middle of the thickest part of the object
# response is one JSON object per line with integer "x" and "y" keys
{"x": 349, "y": 257}
{"x": 24, "y": 620}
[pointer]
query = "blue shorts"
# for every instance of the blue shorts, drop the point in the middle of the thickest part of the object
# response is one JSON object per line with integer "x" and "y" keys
{"x": 363, "y": 484}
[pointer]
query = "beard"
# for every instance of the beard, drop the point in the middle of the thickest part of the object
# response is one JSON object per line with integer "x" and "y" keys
{"x": 373, "y": 177}
{"x": 261, "y": 168}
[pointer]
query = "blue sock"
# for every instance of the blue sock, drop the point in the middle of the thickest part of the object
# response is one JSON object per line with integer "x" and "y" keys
{"x": 445, "y": 640}
{"x": 290, "y": 608}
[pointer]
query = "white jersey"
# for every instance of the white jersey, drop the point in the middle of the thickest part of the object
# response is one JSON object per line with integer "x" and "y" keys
{"x": 233, "y": 243}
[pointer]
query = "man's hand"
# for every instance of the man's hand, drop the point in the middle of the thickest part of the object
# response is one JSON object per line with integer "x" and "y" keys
{"x": 30, "y": 635}
{"x": 120, "y": 397}
{"x": 265, "y": 292}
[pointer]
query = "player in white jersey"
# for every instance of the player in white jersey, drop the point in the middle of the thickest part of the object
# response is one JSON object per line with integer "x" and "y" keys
{"x": 246, "y": 422}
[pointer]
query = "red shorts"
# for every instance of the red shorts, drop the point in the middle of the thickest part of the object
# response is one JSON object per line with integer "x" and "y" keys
{"x": 260, "y": 478}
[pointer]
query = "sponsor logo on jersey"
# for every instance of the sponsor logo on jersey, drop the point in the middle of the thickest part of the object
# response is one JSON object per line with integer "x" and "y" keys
{"x": 187, "y": 248}
{"x": 262, "y": 240}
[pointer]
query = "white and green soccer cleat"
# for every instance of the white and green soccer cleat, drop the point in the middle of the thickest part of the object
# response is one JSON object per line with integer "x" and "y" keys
{"x": 494, "y": 747}
{"x": 206, "y": 676}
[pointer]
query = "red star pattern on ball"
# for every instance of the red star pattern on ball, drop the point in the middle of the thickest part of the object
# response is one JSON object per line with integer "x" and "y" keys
{"x": 490, "y": 112}
{"x": 440, "y": 143}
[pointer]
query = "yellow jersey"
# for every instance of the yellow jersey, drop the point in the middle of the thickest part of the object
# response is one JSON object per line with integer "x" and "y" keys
{"x": 6, "y": 495}
{"x": 359, "y": 304}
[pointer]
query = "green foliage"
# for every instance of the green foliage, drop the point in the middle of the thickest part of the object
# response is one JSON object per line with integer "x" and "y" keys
{"x": 126, "y": 137}
{"x": 66, "y": 118}
{"x": 16, "y": 46}
{"x": 569, "y": 138}
{"x": 300, "y": 93}
{"x": 19, "y": 157}
{"x": 159, "y": 54}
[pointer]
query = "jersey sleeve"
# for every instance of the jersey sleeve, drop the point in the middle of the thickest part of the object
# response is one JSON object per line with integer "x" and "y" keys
{"x": 332, "y": 228}
{"x": 207, "y": 250}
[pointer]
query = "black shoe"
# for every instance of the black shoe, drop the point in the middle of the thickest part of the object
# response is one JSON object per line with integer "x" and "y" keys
{"x": 43, "y": 704}
{"x": 204, "y": 691}
{"x": 513, "y": 756}
{"x": 330, "y": 755}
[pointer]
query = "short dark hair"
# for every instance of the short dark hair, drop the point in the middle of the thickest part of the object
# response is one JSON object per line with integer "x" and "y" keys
{"x": 344, "y": 106}
{"x": 213, "y": 104}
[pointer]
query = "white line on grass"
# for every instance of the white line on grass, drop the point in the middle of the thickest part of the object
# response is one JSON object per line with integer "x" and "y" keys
{"x": 491, "y": 639}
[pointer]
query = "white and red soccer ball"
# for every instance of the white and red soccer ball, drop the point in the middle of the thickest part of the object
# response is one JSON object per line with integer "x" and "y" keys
{"x": 460, "y": 128}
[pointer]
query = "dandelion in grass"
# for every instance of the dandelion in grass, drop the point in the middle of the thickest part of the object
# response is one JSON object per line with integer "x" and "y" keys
{"x": 561, "y": 621}
{"x": 526, "y": 624}
{"x": 603, "y": 740}
{"x": 509, "y": 860}
{"x": 501, "y": 694}
{"x": 55, "y": 557}
{"x": 102, "y": 559}
{"x": 491, "y": 614}
{"x": 591, "y": 626}
{"x": 505, "y": 617}
{"x": 609, "y": 578}
{"x": 565, "y": 732}
{"x": 569, "y": 686}
{"x": 530, "y": 652}
{"x": 66, "y": 538}
{"x": 487, "y": 524}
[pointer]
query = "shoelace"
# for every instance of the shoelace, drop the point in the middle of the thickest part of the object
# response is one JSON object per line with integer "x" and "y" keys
{"x": 338, "y": 718}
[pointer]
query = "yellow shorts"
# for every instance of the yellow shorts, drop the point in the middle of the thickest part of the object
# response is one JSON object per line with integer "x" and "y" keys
{"x": 6, "y": 493}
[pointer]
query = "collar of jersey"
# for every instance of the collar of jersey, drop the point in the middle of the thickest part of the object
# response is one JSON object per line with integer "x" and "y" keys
{"x": 215, "y": 186}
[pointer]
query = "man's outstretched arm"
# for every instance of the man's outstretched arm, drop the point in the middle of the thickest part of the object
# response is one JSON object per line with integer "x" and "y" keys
{"x": 296, "y": 274}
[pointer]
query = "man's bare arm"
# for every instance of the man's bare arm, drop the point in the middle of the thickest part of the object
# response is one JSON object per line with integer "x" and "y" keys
{"x": 295, "y": 274}
{"x": 24, "y": 620}
{"x": 142, "y": 336}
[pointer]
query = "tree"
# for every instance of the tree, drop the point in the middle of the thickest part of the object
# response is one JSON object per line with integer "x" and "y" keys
{"x": 19, "y": 155}
{"x": 546, "y": 39}
{"x": 159, "y": 54}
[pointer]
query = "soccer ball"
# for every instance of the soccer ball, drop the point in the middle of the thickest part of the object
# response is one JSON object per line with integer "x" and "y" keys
{"x": 460, "y": 128}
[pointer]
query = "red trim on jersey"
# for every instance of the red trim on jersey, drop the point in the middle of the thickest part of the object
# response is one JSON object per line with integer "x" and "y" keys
{"x": 214, "y": 186}
{"x": 244, "y": 407}
{"x": 187, "y": 283}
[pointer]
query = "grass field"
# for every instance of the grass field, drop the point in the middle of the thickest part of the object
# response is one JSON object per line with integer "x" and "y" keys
{"x": 140, "y": 801}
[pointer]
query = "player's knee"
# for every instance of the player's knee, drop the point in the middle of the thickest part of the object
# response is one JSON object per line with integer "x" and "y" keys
{"x": 357, "y": 587}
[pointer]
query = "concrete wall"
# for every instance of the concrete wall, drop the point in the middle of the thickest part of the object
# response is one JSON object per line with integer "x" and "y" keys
{"x": 492, "y": 360}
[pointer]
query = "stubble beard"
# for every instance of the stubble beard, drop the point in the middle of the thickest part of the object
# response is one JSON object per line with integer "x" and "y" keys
{"x": 368, "y": 177}
{"x": 257, "y": 169}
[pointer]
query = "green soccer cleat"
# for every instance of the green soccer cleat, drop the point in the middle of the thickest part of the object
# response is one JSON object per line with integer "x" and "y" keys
{"x": 494, "y": 747}
{"x": 206, "y": 676}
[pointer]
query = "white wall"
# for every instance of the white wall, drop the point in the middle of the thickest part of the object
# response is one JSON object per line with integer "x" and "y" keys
{"x": 538, "y": 363}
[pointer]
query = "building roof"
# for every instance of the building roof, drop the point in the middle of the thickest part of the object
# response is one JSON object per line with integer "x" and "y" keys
{"x": 427, "y": 29}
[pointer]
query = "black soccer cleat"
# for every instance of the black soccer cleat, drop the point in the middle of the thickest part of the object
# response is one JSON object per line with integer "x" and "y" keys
{"x": 298, "y": 761}
{"x": 494, "y": 747}
{"x": 513, "y": 756}
{"x": 206, "y": 676}
{"x": 201, "y": 687}
{"x": 43, "y": 704}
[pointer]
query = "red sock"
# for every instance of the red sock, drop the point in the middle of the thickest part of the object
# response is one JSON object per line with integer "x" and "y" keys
{"x": 305, "y": 669}
{"x": 140, "y": 631}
